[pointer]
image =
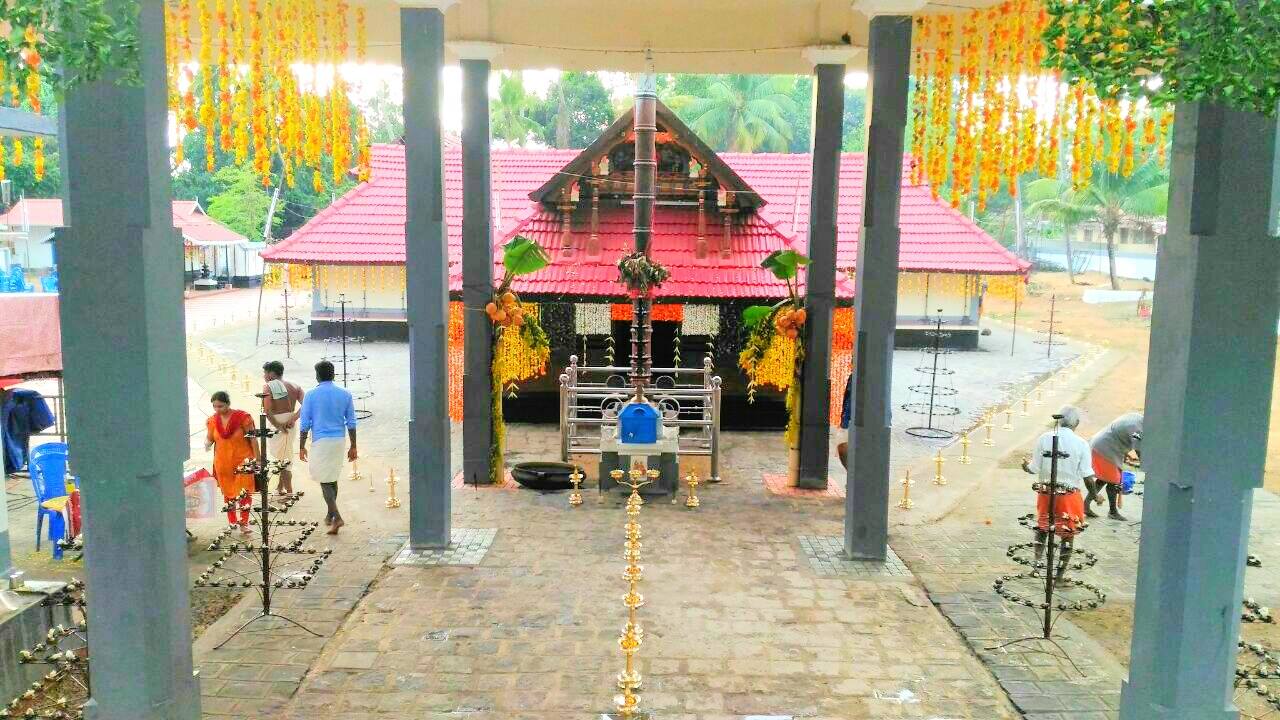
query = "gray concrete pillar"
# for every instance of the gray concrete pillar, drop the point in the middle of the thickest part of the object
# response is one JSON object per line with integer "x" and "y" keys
{"x": 1212, "y": 359}
{"x": 866, "y": 522}
{"x": 820, "y": 284}
{"x": 127, "y": 411}
{"x": 427, "y": 277}
{"x": 477, "y": 262}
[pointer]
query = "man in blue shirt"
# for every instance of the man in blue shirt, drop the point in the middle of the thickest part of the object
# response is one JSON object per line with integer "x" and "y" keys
{"x": 328, "y": 413}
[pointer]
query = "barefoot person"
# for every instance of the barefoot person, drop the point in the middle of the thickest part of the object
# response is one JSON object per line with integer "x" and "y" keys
{"x": 1073, "y": 469}
{"x": 225, "y": 435}
{"x": 282, "y": 402}
{"x": 1110, "y": 448}
{"x": 328, "y": 413}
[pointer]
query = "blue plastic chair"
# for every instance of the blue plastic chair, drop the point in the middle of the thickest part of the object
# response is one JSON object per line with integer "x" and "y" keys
{"x": 48, "y": 469}
{"x": 17, "y": 279}
{"x": 49, "y": 284}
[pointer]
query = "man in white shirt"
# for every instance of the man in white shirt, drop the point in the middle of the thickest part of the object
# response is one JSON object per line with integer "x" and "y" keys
{"x": 1074, "y": 470}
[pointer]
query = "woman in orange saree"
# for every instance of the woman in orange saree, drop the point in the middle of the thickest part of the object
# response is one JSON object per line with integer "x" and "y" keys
{"x": 231, "y": 447}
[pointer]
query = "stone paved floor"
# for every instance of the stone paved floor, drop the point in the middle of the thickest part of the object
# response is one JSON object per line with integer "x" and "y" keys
{"x": 737, "y": 622}
{"x": 748, "y": 613}
{"x": 958, "y": 558}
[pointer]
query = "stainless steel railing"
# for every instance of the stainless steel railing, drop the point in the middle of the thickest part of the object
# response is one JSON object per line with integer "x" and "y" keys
{"x": 688, "y": 398}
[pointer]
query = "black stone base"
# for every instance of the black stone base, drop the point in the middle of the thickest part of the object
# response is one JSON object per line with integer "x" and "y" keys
{"x": 959, "y": 338}
{"x": 370, "y": 330}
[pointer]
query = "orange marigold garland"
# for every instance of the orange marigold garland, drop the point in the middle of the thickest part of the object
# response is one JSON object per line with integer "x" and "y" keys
{"x": 456, "y": 360}
{"x": 659, "y": 313}
{"x": 986, "y": 110}
{"x": 208, "y": 110}
{"x": 920, "y": 101}
{"x": 37, "y": 163}
{"x": 271, "y": 86}
{"x": 842, "y": 334}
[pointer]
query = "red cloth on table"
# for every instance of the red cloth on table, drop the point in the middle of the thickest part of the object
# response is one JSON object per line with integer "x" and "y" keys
{"x": 30, "y": 333}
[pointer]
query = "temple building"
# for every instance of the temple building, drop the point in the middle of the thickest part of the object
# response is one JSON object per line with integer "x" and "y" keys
{"x": 717, "y": 216}
{"x": 27, "y": 235}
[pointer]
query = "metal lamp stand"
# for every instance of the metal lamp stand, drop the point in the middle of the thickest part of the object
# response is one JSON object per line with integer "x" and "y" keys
{"x": 266, "y": 552}
{"x": 932, "y": 409}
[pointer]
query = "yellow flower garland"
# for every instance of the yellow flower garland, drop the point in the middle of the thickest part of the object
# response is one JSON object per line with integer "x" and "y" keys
{"x": 986, "y": 113}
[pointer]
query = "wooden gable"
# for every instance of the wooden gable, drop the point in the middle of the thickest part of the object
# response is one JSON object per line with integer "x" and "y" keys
{"x": 687, "y": 168}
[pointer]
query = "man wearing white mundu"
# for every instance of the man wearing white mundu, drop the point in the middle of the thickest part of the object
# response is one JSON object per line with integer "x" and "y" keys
{"x": 328, "y": 413}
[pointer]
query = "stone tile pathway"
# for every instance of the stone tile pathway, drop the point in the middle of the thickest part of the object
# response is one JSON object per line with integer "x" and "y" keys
{"x": 737, "y": 621}
{"x": 958, "y": 558}
{"x": 466, "y": 547}
{"x": 826, "y": 559}
{"x": 256, "y": 673}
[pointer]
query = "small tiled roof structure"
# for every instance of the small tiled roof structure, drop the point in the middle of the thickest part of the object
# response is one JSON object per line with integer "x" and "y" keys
{"x": 197, "y": 228}
{"x": 366, "y": 227}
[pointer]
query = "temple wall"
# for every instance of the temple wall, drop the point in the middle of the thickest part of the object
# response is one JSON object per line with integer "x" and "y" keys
{"x": 371, "y": 289}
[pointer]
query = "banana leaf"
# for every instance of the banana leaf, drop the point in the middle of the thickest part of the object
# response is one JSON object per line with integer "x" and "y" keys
{"x": 784, "y": 264}
{"x": 522, "y": 256}
{"x": 753, "y": 315}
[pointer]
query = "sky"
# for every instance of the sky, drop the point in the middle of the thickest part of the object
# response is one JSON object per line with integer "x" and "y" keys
{"x": 369, "y": 79}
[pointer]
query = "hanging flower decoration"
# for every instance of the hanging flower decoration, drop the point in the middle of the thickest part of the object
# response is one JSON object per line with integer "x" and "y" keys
{"x": 592, "y": 319}
{"x": 271, "y": 90}
{"x": 773, "y": 355}
{"x": 701, "y": 320}
{"x": 842, "y": 334}
{"x": 991, "y": 102}
{"x": 249, "y": 98}
{"x": 623, "y": 312}
{"x": 456, "y": 359}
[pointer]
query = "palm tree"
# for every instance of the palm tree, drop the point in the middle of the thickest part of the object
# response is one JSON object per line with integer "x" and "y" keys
{"x": 1109, "y": 200}
{"x": 1054, "y": 200}
{"x": 741, "y": 113}
{"x": 509, "y": 118}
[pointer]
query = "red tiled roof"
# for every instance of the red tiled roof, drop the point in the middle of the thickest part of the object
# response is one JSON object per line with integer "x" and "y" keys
{"x": 366, "y": 226}
{"x": 196, "y": 227}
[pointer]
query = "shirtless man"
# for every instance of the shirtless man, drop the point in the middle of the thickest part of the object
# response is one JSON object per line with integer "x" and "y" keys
{"x": 282, "y": 402}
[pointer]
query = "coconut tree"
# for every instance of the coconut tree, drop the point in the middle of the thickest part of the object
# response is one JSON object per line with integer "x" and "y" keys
{"x": 1109, "y": 200}
{"x": 741, "y": 113}
{"x": 1055, "y": 201}
{"x": 510, "y": 117}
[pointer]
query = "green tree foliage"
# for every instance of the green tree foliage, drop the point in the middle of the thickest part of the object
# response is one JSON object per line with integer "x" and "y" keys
{"x": 511, "y": 114}
{"x": 758, "y": 113}
{"x": 1109, "y": 200}
{"x": 738, "y": 113}
{"x": 577, "y": 109}
{"x": 23, "y": 177}
{"x": 855, "y": 121}
{"x": 241, "y": 204}
{"x": 384, "y": 116}
{"x": 191, "y": 181}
